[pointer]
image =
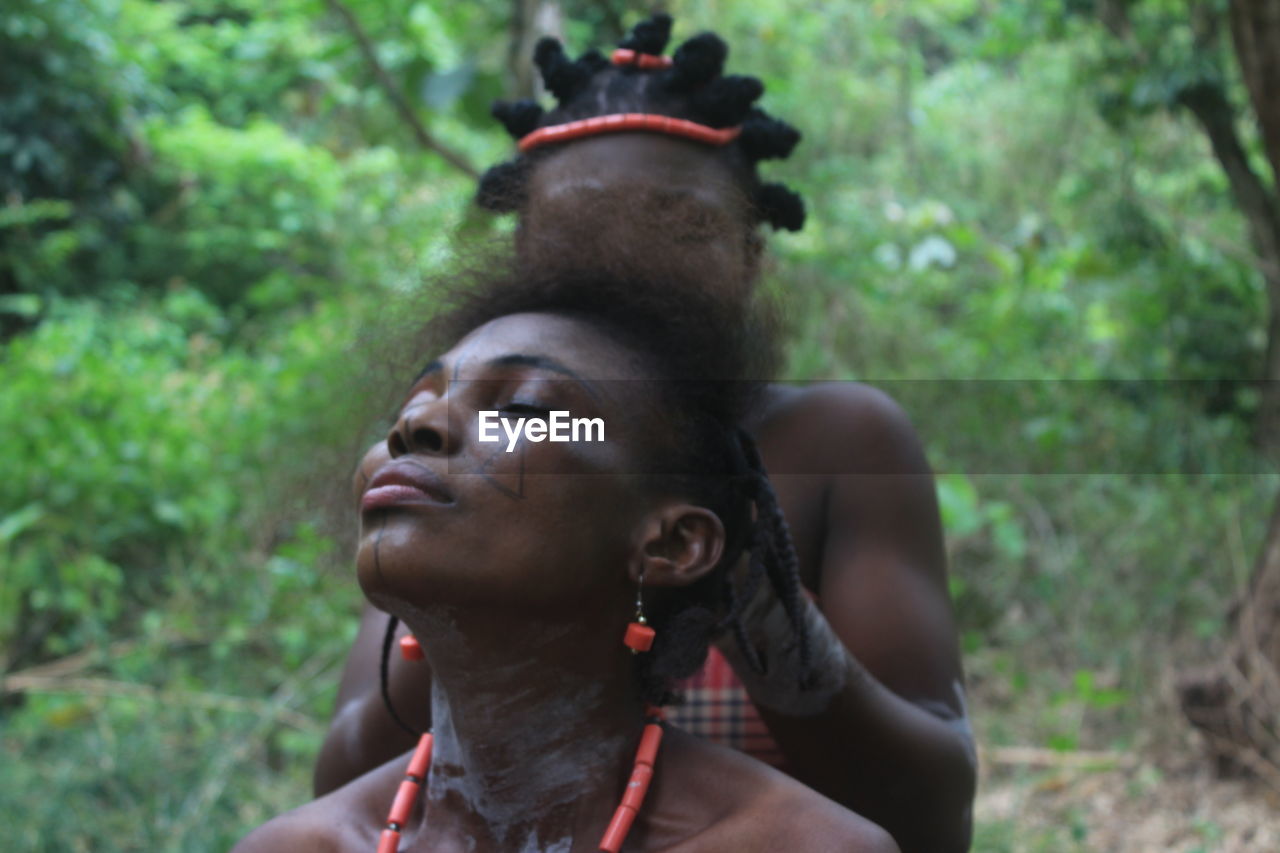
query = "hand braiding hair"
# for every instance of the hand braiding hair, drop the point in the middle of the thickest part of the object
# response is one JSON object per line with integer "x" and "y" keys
{"x": 808, "y": 663}
{"x": 773, "y": 556}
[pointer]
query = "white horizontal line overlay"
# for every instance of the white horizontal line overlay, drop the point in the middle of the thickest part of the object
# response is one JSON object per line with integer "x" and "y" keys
{"x": 558, "y": 426}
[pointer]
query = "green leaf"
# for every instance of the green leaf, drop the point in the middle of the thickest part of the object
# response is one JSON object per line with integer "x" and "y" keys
{"x": 15, "y": 523}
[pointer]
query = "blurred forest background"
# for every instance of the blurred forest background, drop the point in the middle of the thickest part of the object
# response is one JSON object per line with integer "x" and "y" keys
{"x": 1029, "y": 222}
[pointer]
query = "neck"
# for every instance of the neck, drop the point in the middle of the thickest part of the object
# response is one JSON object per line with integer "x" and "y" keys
{"x": 535, "y": 724}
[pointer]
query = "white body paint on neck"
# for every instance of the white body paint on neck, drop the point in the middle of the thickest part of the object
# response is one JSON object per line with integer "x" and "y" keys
{"x": 514, "y": 758}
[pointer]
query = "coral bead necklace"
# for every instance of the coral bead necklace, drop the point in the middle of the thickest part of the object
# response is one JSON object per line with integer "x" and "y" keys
{"x": 632, "y": 799}
{"x": 638, "y": 637}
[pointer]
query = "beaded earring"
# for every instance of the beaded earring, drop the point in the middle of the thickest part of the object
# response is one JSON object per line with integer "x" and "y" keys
{"x": 639, "y": 636}
{"x": 410, "y": 648}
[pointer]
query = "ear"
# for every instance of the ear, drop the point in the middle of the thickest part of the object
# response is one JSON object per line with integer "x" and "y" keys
{"x": 677, "y": 545}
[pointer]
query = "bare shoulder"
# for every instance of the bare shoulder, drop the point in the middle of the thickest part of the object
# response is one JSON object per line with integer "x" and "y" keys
{"x": 843, "y": 426}
{"x": 726, "y": 800}
{"x": 803, "y": 821}
{"x": 295, "y": 830}
{"x": 346, "y": 819}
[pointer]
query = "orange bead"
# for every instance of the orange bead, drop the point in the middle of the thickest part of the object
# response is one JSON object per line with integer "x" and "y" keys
{"x": 410, "y": 648}
{"x": 649, "y": 62}
{"x": 637, "y": 786}
{"x": 639, "y": 637}
{"x": 406, "y": 796}
{"x": 649, "y": 742}
{"x": 421, "y": 758}
{"x": 627, "y": 121}
{"x": 389, "y": 842}
{"x": 617, "y": 831}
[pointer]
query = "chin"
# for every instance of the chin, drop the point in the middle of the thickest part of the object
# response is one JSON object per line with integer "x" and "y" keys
{"x": 404, "y": 588}
{"x": 386, "y": 580}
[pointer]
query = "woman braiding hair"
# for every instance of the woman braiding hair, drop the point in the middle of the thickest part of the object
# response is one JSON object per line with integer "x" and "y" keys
{"x": 600, "y": 183}
{"x": 557, "y": 589}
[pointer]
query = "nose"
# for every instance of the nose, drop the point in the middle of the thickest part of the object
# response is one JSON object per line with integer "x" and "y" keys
{"x": 423, "y": 427}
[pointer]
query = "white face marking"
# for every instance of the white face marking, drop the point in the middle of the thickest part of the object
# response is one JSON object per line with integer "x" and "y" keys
{"x": 509, "y": 801}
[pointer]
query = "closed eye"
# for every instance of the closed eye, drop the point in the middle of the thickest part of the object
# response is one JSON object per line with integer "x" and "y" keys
{"x": 524, "y": 409}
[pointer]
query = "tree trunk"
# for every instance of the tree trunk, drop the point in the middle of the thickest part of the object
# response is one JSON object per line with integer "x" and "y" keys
{"x": 1255, "y": 32}
{"x": 530, "y": 21}
{"x": 1235, "y": 702}
{"x": 1257, "y": 201}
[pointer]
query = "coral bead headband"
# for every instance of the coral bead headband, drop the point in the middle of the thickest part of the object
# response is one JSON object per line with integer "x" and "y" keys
{"x": 622, "y": 122}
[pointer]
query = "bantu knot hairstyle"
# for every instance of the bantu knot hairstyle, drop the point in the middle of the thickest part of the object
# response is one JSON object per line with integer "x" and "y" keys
{"x": 694, "y": 87}
{"x": 697, "y": 61}
{"x": 520, "y": 118}
{"x": 649, "y": 36}
{"x": 565, "y": 79}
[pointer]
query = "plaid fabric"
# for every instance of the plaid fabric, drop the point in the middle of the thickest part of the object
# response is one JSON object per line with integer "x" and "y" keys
{"x": 716, "y": 707}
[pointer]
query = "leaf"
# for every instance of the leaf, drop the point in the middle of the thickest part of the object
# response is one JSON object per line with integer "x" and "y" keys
{"x": 961, "y": 513}
{"x": 13, "y": 524}
{"x": 24, "y": 305}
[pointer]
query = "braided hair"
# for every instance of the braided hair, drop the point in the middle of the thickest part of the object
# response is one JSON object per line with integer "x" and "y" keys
{"x": 692, "y": 88}
{"x": 755, "y": 530}
{"x": 703, "y": 353}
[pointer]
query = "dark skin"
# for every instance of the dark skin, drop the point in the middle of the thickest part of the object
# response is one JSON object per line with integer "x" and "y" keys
{"x": 536, "y": 709}
{"x": 851, "y": 476}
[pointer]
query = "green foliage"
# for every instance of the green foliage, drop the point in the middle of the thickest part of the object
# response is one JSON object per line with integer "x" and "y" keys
{"x": 133, "y": 437}
{"x": 188, "y": 142}
{"x": 199, "y": 201}
{"x": 65, "y": 101}
{"x": 137, "y": 511}
{"x": 1026, "y": 277}
{"x": 256, "y": 212}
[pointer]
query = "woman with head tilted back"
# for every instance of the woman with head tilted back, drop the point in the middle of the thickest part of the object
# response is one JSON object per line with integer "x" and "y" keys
{"x": 524, "y": 576}
{"x": 882, "y": 728}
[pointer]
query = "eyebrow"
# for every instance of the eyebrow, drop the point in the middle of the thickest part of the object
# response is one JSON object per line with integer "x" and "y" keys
{"x": 433, "y": 366}
{"x": 542, "y": 362}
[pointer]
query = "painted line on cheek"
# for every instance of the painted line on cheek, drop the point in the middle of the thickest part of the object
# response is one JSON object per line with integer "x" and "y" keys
{"x": 516, "y": 494}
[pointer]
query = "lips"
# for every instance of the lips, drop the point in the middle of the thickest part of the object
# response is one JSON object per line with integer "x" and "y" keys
{"x": 405, "y": 483}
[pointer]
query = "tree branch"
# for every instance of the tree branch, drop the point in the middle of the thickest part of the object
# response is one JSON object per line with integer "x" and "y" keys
{"x": 1033, "y": 756}
{"x": 1255, "y": 29}
{"x": 1115, "y": 17}
{"x": 398, "y": 99}
{"x": 1209, "y": 104}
